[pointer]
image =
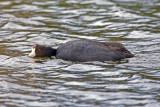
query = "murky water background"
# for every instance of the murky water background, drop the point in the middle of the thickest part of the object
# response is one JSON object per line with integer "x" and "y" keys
{"x": 54, "y": 82}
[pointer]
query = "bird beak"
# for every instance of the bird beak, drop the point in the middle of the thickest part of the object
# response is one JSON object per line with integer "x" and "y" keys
{"x": 33, "y": 53}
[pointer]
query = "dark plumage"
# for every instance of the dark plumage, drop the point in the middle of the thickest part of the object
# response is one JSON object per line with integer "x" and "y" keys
{"x": 84, "y": 50}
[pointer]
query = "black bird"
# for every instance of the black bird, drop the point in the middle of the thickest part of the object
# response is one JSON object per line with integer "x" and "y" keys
{"x": 84, "y": 50}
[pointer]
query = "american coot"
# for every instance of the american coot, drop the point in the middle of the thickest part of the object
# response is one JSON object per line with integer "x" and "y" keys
{"x": 84, "y": 50}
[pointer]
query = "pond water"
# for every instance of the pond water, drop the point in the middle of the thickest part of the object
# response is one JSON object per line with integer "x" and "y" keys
{"x": 52, "y": 82}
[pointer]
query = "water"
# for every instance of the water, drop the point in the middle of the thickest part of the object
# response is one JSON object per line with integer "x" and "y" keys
{"x": 46, "y": 82}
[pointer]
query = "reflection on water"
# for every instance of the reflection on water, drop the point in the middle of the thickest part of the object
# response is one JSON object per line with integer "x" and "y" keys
{"x": 54, "y": 82}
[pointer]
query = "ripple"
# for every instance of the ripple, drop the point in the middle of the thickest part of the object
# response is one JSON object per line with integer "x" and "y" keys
{"x": 26, "y": 7}
{"x": 106, "y": 73}
{"x": 83, "y": 68}
{"x": 16, "y": 27}
{"x": 140, "y": 34}
{"x": 3, "y": 3}
{"x": 75, "y": 83}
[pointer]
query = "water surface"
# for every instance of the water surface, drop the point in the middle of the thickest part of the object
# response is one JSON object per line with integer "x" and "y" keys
{"x": 54, "y": 82}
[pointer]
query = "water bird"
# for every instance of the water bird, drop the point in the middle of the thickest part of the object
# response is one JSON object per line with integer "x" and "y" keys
{"x": 83, "y": 50}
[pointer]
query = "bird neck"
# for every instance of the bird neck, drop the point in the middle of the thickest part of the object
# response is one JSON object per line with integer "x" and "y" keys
{"x": 54, "y": 52}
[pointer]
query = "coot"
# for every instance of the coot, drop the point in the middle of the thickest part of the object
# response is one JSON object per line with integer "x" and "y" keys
{"x": 84, "y": 50}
